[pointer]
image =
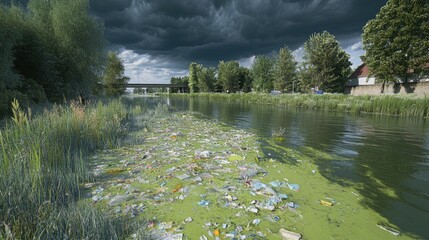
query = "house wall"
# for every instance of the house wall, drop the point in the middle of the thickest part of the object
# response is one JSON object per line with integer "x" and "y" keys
{"x": 366, "y": 81}
{"x": 418, "y": 88}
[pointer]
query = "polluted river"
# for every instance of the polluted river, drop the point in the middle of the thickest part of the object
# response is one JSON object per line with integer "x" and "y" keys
{"x": 223, "y": 170}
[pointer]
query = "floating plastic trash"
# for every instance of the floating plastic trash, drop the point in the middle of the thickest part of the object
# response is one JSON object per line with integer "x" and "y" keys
{"x": 256, "y": 221}
{"x": 292, "y": 186}
{"x": 283, "y": 196}
{"x": 389, "y": 229}
{"x": 258, "y": 185}
{"x": 183, "y": 176}
{"x": 326, "y": 203}
{"x": 289, "y": 235}
{"x": 203, "y": 203}
{"x": 292, "y": 205}
{"x": 277, "y": 183}
{"x": 216, "y": 232}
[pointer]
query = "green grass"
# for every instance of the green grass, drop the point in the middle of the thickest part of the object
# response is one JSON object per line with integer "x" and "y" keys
{"x": 411, "y": 106}
{"x": 42, "y": 166}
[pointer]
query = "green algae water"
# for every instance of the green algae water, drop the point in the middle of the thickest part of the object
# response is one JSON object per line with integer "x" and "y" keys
{"x": 376, "y": 167}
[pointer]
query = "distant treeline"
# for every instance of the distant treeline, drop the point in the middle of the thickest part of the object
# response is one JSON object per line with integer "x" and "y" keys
{"x": 326, "y": 67}
{"x": 49, "y": 51}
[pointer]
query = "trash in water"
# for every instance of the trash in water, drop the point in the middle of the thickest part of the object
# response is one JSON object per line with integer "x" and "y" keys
{"x": 216, "y": 232}
{"x": 252, "y": 209}
{"x": 282, "y": 196}
{"x": 389, "y": 229}
{"x": 326, "y": 203}
{"x": 277, "y": 183}
{"x": 292, "y": 205}
{"x": 188, "y": 220}
{"x": 258, "y": 185}
{"x": 292, "y": 186}
{"x": 183, "y": 177}
{"x": 288, "y": 235}
{"x": 203, "y": 203}
{"x": 256, "y": 221}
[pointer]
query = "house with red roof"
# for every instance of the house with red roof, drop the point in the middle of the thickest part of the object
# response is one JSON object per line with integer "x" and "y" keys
{"x": 361, "y": 77}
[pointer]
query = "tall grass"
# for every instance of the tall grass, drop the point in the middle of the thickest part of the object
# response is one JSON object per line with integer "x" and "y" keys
{"x": 385, "y": 105}
{"x": 42, "y": 165}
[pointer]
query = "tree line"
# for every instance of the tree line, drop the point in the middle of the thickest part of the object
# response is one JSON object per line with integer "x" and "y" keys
{"x": 396, "y": 44}
{"x": 326, "y": 66}
{"x": 54, "y": 50}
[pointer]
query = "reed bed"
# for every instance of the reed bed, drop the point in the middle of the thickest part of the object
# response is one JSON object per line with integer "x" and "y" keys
{"x": 42, "y": 165}
{"x": 410, "y": 106}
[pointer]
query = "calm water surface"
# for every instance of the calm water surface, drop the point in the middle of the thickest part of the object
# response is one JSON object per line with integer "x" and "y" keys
{"x": 376, "y": 152}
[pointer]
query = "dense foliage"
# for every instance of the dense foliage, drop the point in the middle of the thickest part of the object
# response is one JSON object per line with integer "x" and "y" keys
{"x": 114, "y": 79}
{"x": 285, "y": 71}
{"x": 262, "y": 73}
{"x": 52, "y": 51}
{"x": 397, "y": 40}
{"x": 328, "y": 64}
{"x": 229, "y": 73}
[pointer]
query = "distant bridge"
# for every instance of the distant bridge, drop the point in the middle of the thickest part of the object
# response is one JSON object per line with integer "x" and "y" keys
{"x": 154, "y": 85}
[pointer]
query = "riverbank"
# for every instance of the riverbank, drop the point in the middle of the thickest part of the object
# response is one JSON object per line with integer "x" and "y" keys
{"x": 197, "y": 178}
{"x": 43, "y": 164}
{"x": 410, "y": 106}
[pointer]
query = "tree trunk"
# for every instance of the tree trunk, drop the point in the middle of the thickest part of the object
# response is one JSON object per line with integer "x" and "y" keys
{"x": 382, "y": 87}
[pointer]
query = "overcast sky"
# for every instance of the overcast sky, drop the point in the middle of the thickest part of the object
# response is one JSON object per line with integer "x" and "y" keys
{"x": 157, "y": 39}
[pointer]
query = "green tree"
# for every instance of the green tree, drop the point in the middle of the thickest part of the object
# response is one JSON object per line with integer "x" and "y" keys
{"x": 397, "y": 40}
{"x": 114, "y": 79}
{"x": 206, "y": 79}
{"x": 327, "y": 62}
{"x": 193, "y": 77}
{"x": 262, "y": 73}
{"x": 179, "y": 81}
{"x": 75, "y": 40}
{"x": 285, "y": 70}
{"x": 245, "y": 80}
{"x": 228, "y": 74}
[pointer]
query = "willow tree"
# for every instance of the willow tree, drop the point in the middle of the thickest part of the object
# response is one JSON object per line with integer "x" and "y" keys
{"x": 74, "y": 39}
{"x": 327, "y": 62}
{"x": 397, "y": 40}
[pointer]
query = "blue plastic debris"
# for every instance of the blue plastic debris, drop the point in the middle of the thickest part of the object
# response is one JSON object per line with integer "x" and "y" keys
{"x": 293, "y": 186}
{"x": 283, "y": 196}
{"x": 203, "y": 203}
{"x": 292, "y": 205}
{"x": 258, "y": 185}
{"x": 277, "y": 183}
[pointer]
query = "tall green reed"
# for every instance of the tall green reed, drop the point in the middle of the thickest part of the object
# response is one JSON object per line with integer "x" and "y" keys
{"x": 42, "y": 164}
{"x": 410, "y": 106}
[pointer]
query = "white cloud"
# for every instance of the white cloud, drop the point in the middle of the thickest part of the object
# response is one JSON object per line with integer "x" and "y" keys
{"x": 144, "y": 68}
{"x": 247, "y": 62}
{"x": 298, "y": 54}
{"x": 355, "y": 51}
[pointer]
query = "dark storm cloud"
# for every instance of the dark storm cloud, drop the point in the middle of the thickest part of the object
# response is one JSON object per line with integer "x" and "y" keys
{"x": 211, "y": 30}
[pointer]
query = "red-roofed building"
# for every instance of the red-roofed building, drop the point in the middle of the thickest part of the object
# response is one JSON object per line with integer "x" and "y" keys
{"x": 360, "y": 77}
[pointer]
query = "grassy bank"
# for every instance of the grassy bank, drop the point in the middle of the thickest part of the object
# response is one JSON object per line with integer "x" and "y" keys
{"x": 385, "y": 105}
{"x": 42, "y": 165}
